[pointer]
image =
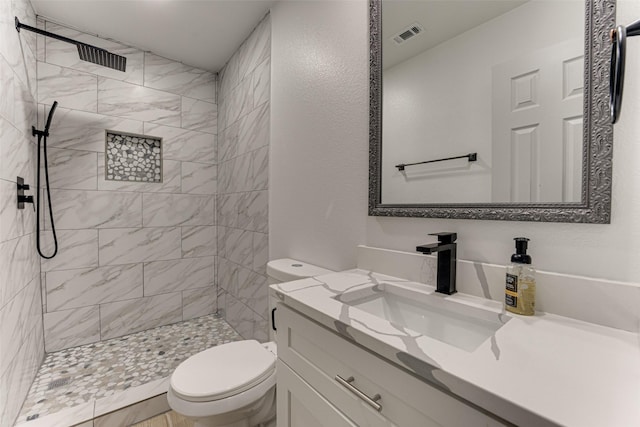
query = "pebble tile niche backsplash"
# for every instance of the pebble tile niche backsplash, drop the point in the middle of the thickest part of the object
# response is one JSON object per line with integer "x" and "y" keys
{"x": 131, "y": 157}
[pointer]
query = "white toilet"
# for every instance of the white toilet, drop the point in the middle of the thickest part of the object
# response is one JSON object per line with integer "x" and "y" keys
{"x": 234, "y": 384}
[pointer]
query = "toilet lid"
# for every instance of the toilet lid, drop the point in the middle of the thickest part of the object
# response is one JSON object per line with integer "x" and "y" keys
{"x": 223, "y": 371}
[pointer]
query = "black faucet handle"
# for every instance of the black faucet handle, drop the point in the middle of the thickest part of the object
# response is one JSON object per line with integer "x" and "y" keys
{"x": 445, "y": 237}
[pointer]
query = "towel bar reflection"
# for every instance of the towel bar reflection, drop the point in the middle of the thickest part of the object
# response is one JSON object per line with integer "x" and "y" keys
{"x": 471, "y": 156}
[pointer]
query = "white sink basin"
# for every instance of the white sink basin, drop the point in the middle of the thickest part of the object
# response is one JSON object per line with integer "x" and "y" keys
{"x": 459, "y": 320}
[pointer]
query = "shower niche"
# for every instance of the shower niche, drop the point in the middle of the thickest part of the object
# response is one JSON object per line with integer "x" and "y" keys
{"x": 132, "y": 157}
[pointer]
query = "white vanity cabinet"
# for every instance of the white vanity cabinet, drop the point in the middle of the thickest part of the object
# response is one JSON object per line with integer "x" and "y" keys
{"x": 312, "y": 358}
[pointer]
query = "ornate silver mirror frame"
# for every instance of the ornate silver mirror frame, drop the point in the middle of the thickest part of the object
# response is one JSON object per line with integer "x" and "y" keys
{"x": 595, "y": 206}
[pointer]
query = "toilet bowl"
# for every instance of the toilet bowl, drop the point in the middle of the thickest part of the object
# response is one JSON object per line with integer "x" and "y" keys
{"x": 234, "y": 384}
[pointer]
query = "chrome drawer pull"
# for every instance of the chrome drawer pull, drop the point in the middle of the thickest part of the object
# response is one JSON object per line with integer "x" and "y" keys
{"x": 371, "y": 401}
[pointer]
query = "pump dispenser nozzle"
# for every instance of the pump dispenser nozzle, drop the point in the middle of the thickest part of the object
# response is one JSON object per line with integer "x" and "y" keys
{"x": 521, "y": 256}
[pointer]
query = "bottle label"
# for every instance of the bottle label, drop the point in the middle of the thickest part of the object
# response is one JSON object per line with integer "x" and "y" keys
{"x": 511, "y": 290}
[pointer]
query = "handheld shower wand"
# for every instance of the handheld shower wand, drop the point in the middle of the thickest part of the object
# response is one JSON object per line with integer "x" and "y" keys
{"x": 42, "y": 141}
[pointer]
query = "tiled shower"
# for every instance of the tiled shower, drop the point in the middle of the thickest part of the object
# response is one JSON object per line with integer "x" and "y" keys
{"x": 133, "y": 255}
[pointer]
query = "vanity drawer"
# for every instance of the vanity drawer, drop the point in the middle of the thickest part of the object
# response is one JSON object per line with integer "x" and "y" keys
{"x": 319, "y": 355}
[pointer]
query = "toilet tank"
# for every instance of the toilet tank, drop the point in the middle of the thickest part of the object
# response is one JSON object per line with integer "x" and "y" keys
{"x": 287, "y": 270}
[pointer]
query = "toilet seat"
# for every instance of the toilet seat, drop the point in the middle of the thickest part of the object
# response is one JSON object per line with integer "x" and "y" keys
{"x": 223, "y": 371}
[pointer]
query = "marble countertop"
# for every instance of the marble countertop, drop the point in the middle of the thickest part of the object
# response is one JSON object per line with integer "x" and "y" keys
{"x": 542, "y": 370}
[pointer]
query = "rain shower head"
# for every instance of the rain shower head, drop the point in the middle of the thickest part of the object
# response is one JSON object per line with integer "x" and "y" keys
{"x": 86, "y": 52}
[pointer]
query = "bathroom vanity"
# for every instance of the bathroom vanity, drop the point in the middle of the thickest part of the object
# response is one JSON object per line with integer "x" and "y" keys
{"x": 367, "y": 349}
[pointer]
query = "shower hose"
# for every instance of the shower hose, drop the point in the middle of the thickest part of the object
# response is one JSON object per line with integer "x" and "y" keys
{"x": 42, "y": 142}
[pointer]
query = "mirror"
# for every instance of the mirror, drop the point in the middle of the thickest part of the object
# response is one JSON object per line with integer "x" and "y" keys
{"x": 491, "y": 109}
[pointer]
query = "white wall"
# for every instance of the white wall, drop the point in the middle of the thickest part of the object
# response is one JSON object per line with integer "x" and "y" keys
{"x": 319, "y": 128}
{"x": 320, "y": 153}
{"x": 439, "y": 103}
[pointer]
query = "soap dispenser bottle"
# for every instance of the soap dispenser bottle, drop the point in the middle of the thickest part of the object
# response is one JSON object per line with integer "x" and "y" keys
{"x": 520, "y": 284}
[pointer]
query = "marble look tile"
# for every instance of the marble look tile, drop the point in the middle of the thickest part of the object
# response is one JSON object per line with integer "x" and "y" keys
{"x": 252, "y": 291}
{"x": 136, "y": 102}
{"x": 17, "y": 319}
{"x": 260, "y": 252}
{"x": 25, "y": 108}
{"x": 256, "y": 49}
{"x": 253, "y": 211}
{"x": 6, "y": 88}
{"x": 240, "y": 101}
{"x": 199, "y": 115}
{"x": 125, "y": 317}
{"x": 76, "y": 249}
{"x": 79, "y": 209}
{"x": 222, "y": 115}
{"x": 236, "y": 174}
{"x": 240, "y": 317}
{"x": 41, "y": 41}
{"x": 162, "y": 277}
{"x": 227, "y": 209}
{"x": 260, "y": 169}
{"x": 228, "y": 76}
{"x": 199, "y": 178}
{"x": 70, "y": 328}
{"x": 131, "y": 396}
{"x": 17, "y": 378}
{"x": 227, "y": 274}
{"x": 198, "y": 302}
{"x": 260, "y": 329}
{"x": 159, "y": 210}
{"x": 131, "y": 245}
{"x": 199, "y": 241}
{"x": 19, "y": 264}
{"x": 80, "y": 130}
{"x": 72, "y": 89}
{"x": 236, "y": 245}
{"x": 254, "y": 130}
{"x": 16, "y": 153}
{"x": 171, "y": 179}
{"x": 25, "y": 13}
{"x": 73, "y": 169}
{"x": 66, "y": 55}
{"x": 262, "y": 83}
{"x": 182, "y": 144}
{"x": 13, "y": 222}
{"x": 90, "y": 286}
{"x": 175, "y": 77}
{"x": 228, "y": 142}
{"x": 65, "y": 417}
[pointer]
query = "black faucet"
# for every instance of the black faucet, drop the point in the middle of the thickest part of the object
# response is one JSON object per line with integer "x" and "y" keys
{"x": 447, "y": 256}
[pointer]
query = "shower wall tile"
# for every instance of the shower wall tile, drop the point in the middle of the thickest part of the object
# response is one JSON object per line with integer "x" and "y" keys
{"x": 18, "y": 266}
{"x": 23, "y": 10}
{"x": 66, "y": 55}
{"x": 16, "y": 153}
{"x": 163, "y": 277}
{"x": 82, "y": 130}
{"x": 199, "y": 241}
{"x": 199, "y": 115}
{"x": 86, "y": 286}
{"x": 132, "y": 245}
{"x": 25, "y": 107}
{"x": 135, "y": 102}
{"x": 79, "y": 209}
{"x": 175, "y": 77}
{"x": 127, "y": 317}
{"x": 17, "y": 319}
{"x": 171, "y": 180}
{"x": 262, "y": 83}
{"x": 198, "y": 302}
{"x": 161, "y": 210}
{"x": 71, "y": 328}
{"x": 242, "y": 201}
{"x": 183, "y": 144}
{"x": 6, "y": 88}
{"x": 76, "y": 249}
{"x": 199, "y": 178}
{"x": 16, "y": 380}
{"x": 253, "y": 209}
{"x": 256, "y": 49}
{"x": 71, "y": 88}
{"x": 254, "y": 130}
{"x": 72, "y": 169}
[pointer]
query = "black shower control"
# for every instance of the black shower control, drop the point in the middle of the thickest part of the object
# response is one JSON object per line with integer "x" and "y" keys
{"x": 21, "y": 187}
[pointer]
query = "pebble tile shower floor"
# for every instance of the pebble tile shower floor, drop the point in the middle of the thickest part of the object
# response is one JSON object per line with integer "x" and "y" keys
{"x": 73, "y": 376}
